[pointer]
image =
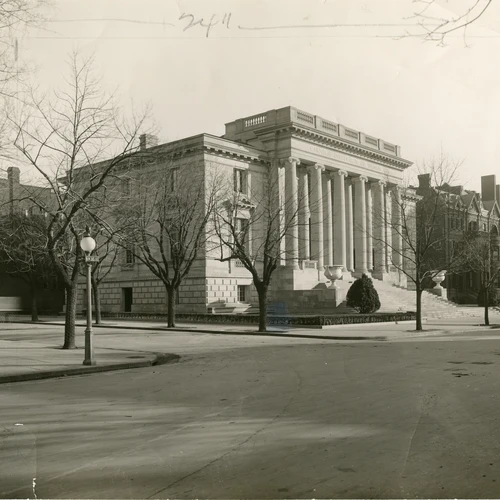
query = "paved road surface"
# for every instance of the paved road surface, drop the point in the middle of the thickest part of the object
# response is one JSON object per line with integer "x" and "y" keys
{"x": 264, "y": 418}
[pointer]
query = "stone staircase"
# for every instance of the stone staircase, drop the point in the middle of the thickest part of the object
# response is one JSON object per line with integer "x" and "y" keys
{"x": 394, "y": 299}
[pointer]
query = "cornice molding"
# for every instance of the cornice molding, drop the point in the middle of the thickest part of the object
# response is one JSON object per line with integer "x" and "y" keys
{"x": 345, "y": 146}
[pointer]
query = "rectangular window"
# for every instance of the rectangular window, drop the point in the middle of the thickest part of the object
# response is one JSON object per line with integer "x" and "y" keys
{"x": 129, "y": 256}
{"x": 240, "y": 181}
{"x": 172, "y": 179}
{"x": 241, "y": 227}
{"x": 125, "y": 188}
{"x": 174, "y": 242}
{"x": 242, "y": 293}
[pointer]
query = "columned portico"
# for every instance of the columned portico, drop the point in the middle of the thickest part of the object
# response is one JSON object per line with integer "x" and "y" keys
{"x": 336, "y": 193}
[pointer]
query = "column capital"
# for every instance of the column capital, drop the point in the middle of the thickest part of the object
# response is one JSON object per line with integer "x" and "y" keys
{"x": 379, "y": 183}
{"x": 316, "y": 167}
{"x": 339, "y": 173}
{"x": 285, "y": 161}
{"x": 361, "y": 178}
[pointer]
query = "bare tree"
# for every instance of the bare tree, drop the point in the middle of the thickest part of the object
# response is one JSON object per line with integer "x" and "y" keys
{"x": 416, "y": 240}
{"x": 74, "y": 139}
{"x": 15, "y": 17}
{"x": 436, "y": 28}
{"x": 479, "y": 254}
{"x": 254, "y": 229}
{"x": 23, "y": 253}
{"x": 165, "y": 224}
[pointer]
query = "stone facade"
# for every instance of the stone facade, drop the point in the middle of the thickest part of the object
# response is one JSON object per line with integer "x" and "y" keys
{"x": 340, "y": 186}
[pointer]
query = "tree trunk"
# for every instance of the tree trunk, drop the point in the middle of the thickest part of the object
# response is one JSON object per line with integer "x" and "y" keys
{"x": 170, "y": 307}
{"x": 97, "y": 301}
{"x": 69, "y": 327}
{"x": 419, "y": 309}
{"x": 262, "y": 292}
{"x": 486, "y": 307}
{"x": 34, "y": 305}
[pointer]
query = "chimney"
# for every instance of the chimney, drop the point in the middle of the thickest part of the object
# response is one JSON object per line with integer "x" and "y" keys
{"x": 148, "y": 141}
{"x": 424, "y": 181}
{"x": 14, "y": 181}
{"x": 488, "y": 188}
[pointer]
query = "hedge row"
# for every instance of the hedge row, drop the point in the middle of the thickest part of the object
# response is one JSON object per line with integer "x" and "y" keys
{"x": 337, "y": 319}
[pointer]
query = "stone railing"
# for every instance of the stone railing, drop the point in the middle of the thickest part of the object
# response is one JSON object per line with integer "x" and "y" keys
{"x": 308, "y": 264}
{"x": 253, "y": 121}
{"x": 302, "y": 118}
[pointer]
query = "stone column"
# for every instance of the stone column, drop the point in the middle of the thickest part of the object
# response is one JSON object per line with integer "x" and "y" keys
{"x": 397, "y": 235}
{"x": 304, "y": 215}
{"x": 317, "y": 215}
{"x": 339, "y": 228}
{"x": 327, "y": 220}
{"x": 369, "y": 228}
{"x": 349, "y": 226}
{"x": 379, "y": 228}
{"x": 360, "y": 224}
{"x": 388, "y": 230}
{"x": 291, "y": 212}
{"x": 276, "y": 178}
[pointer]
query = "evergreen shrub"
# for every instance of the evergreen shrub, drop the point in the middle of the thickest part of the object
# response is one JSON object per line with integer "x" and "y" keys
{"x": 363, "y": 296}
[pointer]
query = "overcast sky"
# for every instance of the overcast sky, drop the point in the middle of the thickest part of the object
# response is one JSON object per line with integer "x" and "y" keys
{"x": 362, "y": 73}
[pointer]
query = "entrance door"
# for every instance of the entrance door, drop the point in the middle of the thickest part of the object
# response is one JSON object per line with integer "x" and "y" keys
{"x": 127, "y": 299}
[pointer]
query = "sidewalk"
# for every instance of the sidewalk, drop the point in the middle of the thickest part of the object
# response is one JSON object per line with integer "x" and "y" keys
{"x": 23, "y": 359}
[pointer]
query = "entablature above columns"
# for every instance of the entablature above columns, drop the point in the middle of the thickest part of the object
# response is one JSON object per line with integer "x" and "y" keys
{"x": 310, "y": 153}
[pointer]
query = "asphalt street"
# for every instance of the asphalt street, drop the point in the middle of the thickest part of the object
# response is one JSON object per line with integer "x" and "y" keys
{"x": 254, "y": 417}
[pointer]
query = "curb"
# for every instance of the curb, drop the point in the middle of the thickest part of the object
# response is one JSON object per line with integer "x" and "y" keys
{"x": 159, "y": 359}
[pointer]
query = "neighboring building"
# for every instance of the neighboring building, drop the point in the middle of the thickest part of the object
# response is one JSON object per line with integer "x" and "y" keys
{"x": 352, "y": 181}
{"x": 15, "y": 294}
{"x": 465, "y": 210}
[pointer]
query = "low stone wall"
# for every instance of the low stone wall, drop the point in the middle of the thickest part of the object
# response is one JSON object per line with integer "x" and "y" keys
{"x": 244, "y": 319}
{"x": 9, "y": 317}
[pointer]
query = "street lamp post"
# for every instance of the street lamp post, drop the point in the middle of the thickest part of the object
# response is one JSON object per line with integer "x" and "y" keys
{"x": 87, "y": 244}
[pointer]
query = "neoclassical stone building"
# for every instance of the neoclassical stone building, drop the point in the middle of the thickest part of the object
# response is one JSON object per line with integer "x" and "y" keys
{"x": 343, "y": 184}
